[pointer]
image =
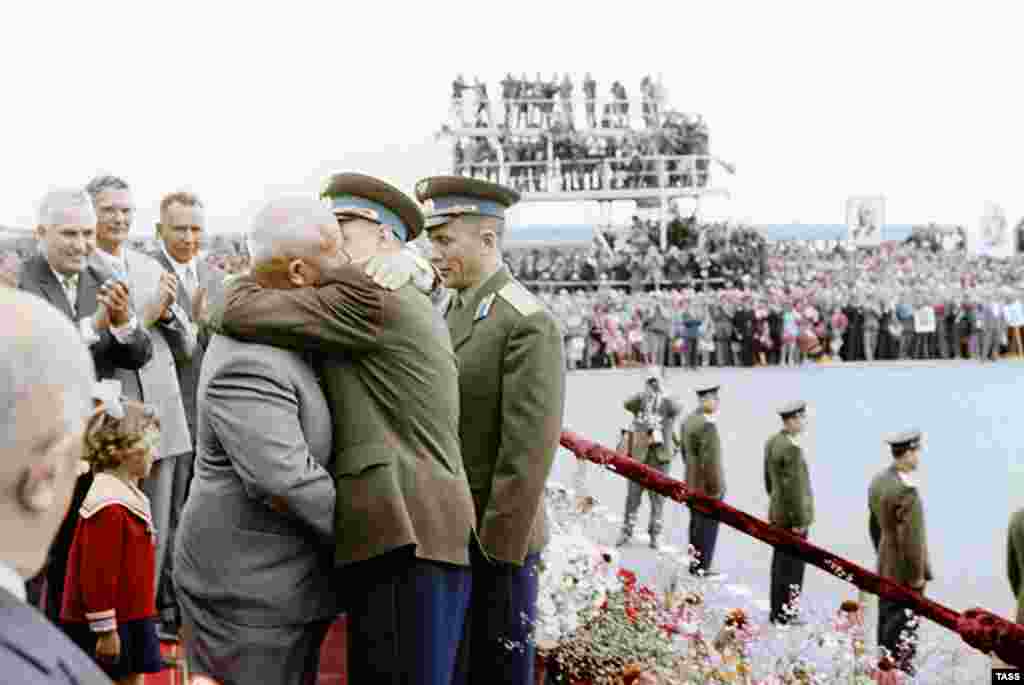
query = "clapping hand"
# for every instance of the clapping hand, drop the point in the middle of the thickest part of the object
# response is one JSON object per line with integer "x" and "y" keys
{"x": 115, "y": 306}
{"x": 167, "y": 292}
{"x": 200, "y": 305}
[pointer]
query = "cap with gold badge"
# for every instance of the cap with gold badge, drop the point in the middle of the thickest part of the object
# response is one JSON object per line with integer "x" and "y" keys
{"x": 445, "y": 198}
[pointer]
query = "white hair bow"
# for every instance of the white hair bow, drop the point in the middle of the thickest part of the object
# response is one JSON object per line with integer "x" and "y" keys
{"x": 109, "y": 393}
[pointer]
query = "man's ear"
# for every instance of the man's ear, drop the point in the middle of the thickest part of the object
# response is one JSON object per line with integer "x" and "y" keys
{"x": 298, "y": 273}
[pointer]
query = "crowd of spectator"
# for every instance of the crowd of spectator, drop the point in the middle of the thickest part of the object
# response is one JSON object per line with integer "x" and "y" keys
{"x": 712, "y": 256}
{"x": 539, "y": 103}
{"x": 546, "y": 151}
{"x": 897, "y": 302}
{"x": 721, "y": 296}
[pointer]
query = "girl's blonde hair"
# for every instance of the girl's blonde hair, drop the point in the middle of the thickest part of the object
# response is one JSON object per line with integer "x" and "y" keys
{"x": 107, "y": 438}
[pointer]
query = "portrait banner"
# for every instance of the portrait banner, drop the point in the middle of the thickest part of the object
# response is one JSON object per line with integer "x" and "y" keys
{"x": 865, "y": 217}
{"x": 992, "y": 237}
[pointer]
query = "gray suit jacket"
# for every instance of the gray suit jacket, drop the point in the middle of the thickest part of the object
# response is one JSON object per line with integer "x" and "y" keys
{"x": 264, "y": 430}
{"x": 189, "y": 369}
{"x": 157, "y": 381}
{"x": 34, "y": 652}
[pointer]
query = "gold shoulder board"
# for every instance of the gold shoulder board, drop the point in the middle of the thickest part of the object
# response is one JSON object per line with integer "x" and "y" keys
{"x": 520, "y": 298}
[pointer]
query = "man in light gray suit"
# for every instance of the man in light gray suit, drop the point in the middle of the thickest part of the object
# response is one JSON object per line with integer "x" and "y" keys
{"x": 180, "y": 232}
{"x": 253, "y": 557}
{"x": 154, "y": 297}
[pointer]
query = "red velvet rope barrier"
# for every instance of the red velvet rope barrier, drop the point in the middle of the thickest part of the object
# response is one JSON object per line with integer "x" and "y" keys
{"x": 979, "y": 628}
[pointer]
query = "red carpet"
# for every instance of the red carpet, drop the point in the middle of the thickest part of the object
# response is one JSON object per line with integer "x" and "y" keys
{"x": 332, "y": 660}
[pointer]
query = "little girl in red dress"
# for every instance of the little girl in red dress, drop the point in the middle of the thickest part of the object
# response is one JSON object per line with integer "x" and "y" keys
{"x": 109, "y": 605}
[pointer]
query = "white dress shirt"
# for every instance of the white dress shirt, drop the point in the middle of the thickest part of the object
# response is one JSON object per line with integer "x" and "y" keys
{"x": 12, "y": 581}
{"x": 181, "y": 270}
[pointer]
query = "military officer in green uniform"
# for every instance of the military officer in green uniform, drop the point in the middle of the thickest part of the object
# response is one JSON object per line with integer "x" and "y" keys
{"x": 788, "y": 483}
{"x": 651, "y": 442}
{"x": 902, "y": 547}
{"x": 512, "y": 388}
{"x": 1015, "y": 560}
{"x": 404, "y": 516}
{"x": 704, "y": 472}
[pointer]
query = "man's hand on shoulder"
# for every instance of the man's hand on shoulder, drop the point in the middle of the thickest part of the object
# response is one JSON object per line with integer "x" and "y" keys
{"x": 392, "y": 271}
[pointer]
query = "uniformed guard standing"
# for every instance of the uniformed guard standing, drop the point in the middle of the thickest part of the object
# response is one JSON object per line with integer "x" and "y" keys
{"x": 704, "y": 472}
{"x": 902, "y": 548}
{"x": 788, "y": 483}
{"x": 654, "y": 417}
{"x": 1015, "y": 560}
{"x": 512, "y": 385}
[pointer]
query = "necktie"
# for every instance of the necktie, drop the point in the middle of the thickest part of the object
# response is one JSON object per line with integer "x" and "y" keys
{"x": 70, "y": 284}
{"x": 190, "y": 282}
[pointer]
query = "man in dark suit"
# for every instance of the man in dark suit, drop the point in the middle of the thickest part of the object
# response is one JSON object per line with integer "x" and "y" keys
{"x": 512, "y": 396}
{"x": 404, "y": 513}
{"x": 44, "y": 404}
{"x": 180, "y": 233}
{"x": 704, "y": 472}
{"x": 788, "y": 483}
{"x": 101, "y": 309}
{"x": 651, "y": 442}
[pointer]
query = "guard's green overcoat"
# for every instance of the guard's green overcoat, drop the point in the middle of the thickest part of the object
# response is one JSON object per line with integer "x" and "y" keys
{"x": 391, "y": 380}
{"x": 1015, "y": 560}
{"x": 512, "y": 390}
{"x": 703, "y": 454}
{"x": 884, "y": 482}
{"x": 788, "y": 483}
{"x": 903, "y": 550}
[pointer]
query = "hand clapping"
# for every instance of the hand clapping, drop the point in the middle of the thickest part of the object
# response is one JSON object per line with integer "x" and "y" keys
{"x": 116, "y": 305}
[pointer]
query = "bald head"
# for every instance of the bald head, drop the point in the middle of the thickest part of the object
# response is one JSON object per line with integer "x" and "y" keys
{"x": 46, "y": 378}
{"x": 289, "y": 227}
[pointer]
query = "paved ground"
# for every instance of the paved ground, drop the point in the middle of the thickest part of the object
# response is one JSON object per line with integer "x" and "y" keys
{"x": 972, "y": 462}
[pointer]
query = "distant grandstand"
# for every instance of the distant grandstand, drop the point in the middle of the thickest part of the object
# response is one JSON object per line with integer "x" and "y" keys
{"x": 558, "y": 141}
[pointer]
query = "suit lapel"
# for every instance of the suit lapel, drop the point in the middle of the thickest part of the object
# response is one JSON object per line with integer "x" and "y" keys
{"x": 462, "y": 323}
{"x": 88, "y": 285}
{"x": 52, "y": 288}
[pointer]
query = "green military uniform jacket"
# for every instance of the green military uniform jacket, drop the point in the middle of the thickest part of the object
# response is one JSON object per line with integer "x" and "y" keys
{"x": 703, "y": 447}
{"x": 391, "y": 379}
{"x": 512, "y": 391}
{"x": 903, "y": 549}
{"x": 788, "y": 483}
{"x": 1015, "y": 560}
{"x": 884, "y": 482}
{"x": 668, "y": 410}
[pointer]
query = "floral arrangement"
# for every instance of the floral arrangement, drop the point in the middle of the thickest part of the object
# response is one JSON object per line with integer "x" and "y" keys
{"x": 599, "y": 624}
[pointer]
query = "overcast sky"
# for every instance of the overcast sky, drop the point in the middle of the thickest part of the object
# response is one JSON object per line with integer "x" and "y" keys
{"x": 241, "y": 102}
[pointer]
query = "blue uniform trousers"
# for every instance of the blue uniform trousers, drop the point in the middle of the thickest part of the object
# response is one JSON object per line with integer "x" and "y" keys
{"x": 703, "y": 536}
{"x": 496, "y": 648}
{"x": 406, "y": 618}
